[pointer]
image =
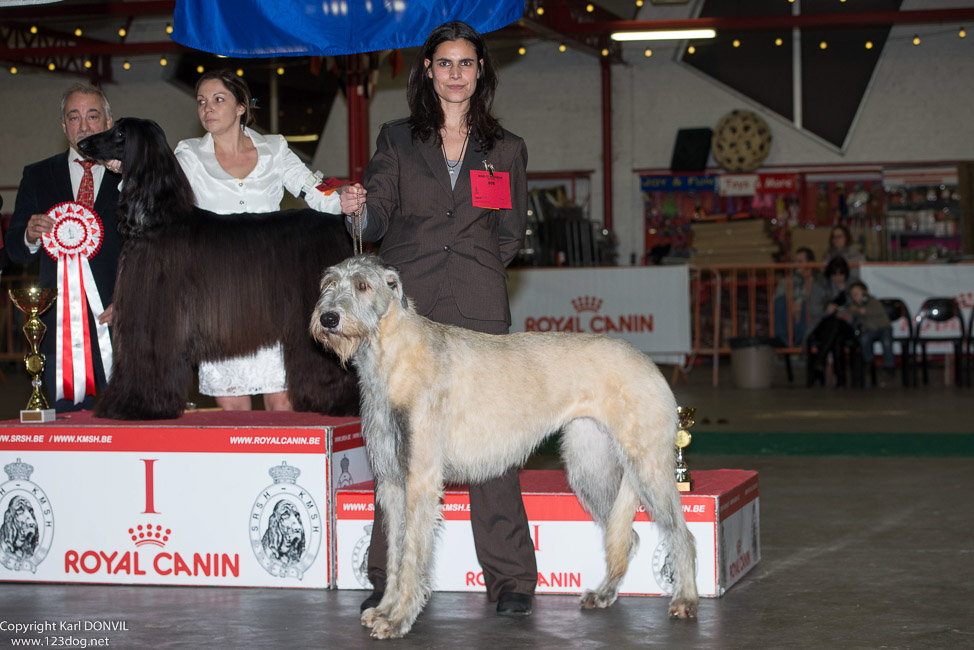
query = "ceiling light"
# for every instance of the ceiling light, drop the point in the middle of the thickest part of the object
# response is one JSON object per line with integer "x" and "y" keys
{"x": 522, "y": 50}
{"x": 869, "y": 45}
{"x": 199, "y": 69}
{"x": 736, "y": 43}
{"x": 962, "y": 33}
{"x": 562, "y": 47}
{"x": 126, "y": 65}
{"x": 647, "y": 53}
{"x": 13, "y": 69}
{"x": 916, "y": 39}
{"x": 122, "y": 32}
{"x": 51, "y": 66}
{"x": 77, "y": 31}
{"x": 691, "y": 50}
{"x": 664, "y": 35}
{"x": 590, "y": 7}
{"x": 280, "y": 71}
{"x": 778, "y": 41}
{"x": 605, "y": 51}
{"x": 163, "y": 62}
{"x": 169, "y": 28}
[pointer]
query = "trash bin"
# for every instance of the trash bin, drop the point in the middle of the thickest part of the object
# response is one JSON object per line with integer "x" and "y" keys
{"x": 752, "y": 361}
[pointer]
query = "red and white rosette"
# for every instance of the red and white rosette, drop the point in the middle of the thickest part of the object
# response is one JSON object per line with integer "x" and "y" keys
{"x": 76, "y": 237}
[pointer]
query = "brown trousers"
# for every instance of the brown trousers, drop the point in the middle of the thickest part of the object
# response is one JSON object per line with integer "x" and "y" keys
{"x": 501, "y": 535}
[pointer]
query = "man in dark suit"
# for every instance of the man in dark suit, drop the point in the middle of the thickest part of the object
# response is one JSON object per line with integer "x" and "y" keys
{"x": 58, "y": 179}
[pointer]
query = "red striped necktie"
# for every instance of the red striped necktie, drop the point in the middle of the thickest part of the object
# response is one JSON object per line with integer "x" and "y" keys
{"x": 86, "y": 191}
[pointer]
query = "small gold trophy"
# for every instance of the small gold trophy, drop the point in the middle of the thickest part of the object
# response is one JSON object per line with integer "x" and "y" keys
{"x": 683, "y": 481}
{"x": 34, "y": 302}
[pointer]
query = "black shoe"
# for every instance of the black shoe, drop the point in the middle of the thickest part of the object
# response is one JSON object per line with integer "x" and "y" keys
{"x": 372, "y": 601}
{"x": 514, "y": 604}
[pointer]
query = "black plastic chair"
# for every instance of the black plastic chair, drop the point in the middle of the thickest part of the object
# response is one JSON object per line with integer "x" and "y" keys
{"x": 899, "y": 317}
{"x": 939, "y": 310}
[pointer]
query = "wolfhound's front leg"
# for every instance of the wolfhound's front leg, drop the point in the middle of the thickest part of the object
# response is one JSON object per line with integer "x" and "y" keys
{"x": 389, "y": 493}
{"x": 412, "y": 588}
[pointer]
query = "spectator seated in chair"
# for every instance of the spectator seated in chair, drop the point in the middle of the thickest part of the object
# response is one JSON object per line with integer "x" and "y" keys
{"x": 872, "y": 324}
{"x": 832, "y": 332}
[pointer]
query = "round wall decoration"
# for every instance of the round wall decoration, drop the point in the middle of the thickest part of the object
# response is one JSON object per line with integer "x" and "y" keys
{"x": 741, "y": 141}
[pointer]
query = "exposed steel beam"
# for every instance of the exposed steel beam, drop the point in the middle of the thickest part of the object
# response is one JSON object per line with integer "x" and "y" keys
{"x": 91, "y": 48}
{"x": 61, "y": 11}
{"x": 765, "y": 23}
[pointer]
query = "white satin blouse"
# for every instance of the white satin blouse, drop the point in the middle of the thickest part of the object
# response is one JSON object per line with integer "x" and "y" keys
{"x": 278, "y": 168}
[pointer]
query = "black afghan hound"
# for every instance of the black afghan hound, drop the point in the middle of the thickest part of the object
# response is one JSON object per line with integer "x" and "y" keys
{"x": 196, "y": 286}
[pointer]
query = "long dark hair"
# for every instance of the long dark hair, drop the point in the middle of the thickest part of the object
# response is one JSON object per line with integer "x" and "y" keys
{"x": 237, "y": 87}
{"x": 426, "y": 115}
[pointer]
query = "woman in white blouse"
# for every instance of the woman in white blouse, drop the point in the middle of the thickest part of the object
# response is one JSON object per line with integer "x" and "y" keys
{"x": 233, "y": 169}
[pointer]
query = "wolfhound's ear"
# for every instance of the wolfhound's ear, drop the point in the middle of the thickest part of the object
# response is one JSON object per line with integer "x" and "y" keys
{"x": 395, "y": 285}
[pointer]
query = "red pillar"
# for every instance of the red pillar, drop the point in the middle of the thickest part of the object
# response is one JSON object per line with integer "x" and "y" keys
{"x": 606, "y": 142}
{"x": 358, "y": 115}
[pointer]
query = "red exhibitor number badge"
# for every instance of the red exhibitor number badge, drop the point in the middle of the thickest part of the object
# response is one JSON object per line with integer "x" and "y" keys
{"x": 491, "y": 189}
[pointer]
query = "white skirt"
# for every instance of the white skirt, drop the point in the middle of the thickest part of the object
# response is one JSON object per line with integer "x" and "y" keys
{"x": 260, "y": 373}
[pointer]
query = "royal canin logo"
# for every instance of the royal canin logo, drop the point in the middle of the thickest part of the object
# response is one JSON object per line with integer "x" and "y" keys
{"x": 163, "y": 563}
{"x": 596, "y": 323}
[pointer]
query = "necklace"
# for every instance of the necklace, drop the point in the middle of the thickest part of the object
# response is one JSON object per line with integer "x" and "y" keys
{"x": 452, "y": 168}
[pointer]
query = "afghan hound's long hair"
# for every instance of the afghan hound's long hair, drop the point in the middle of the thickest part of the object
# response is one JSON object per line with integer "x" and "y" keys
{"x": 196, "y": 286}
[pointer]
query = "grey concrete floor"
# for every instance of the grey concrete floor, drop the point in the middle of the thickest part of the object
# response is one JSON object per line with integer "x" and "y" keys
{"x": 857, "y": 552}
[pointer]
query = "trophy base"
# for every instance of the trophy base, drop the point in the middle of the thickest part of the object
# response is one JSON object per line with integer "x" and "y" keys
{"x": 37, "y": 415}
{"x": 684, "y": 486}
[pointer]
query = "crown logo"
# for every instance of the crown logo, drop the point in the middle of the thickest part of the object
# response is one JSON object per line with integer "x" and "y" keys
{"x": 284, "y": 473}
{"x": 18, "y": 471}
{"x": 149, "y": 534}
{"x": 587, "y": 303}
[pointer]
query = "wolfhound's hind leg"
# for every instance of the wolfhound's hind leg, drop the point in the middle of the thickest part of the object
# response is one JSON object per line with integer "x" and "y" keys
{"x": 595, "y": 474}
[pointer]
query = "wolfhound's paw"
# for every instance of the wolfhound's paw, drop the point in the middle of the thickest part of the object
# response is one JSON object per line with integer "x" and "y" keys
{"x": 597, "y": 600}
{"x": 386, "y": 629}
{"x": 683, "y": 608}
{"x": 369, "y": 617}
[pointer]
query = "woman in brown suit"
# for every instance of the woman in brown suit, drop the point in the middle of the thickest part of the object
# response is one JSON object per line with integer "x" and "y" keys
{"x": 424, "y": 193}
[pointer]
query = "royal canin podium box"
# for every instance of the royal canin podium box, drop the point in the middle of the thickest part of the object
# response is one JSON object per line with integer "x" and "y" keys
{"x": 213, "y": 498}
{"x": 722, "y": 513}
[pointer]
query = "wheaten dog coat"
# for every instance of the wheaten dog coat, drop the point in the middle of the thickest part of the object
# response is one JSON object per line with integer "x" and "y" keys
{"x": 444, "y": 404}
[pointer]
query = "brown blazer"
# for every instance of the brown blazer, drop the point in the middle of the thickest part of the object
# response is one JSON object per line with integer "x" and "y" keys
{"x": 433, "y": 233}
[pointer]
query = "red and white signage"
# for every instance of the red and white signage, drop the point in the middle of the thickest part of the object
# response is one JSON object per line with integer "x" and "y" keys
{"x": 751, "y": 184}
{"x": 722, "y": 513}
{"x": 213, "y": 498}
{"x": 647, "y": 306}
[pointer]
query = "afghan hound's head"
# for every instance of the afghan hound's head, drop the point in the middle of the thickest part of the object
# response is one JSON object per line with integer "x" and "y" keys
{"x": 155, "y": 191}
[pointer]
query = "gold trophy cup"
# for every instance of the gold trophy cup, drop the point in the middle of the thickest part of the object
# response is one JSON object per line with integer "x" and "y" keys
{"x": 34, "y": 302}
{"x": 683, "y": 481}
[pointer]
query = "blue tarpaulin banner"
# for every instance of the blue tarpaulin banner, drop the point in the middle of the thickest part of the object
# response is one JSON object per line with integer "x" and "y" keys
{"x": 265, "y": 28}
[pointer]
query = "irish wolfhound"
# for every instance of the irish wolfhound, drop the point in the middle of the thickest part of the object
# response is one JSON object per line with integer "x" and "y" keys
{"x": 445, "y": 404}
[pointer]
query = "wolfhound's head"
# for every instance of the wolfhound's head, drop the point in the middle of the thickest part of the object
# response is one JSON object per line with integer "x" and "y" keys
{"x": 155, "y": 191}
{"x": 355, "y": 296}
